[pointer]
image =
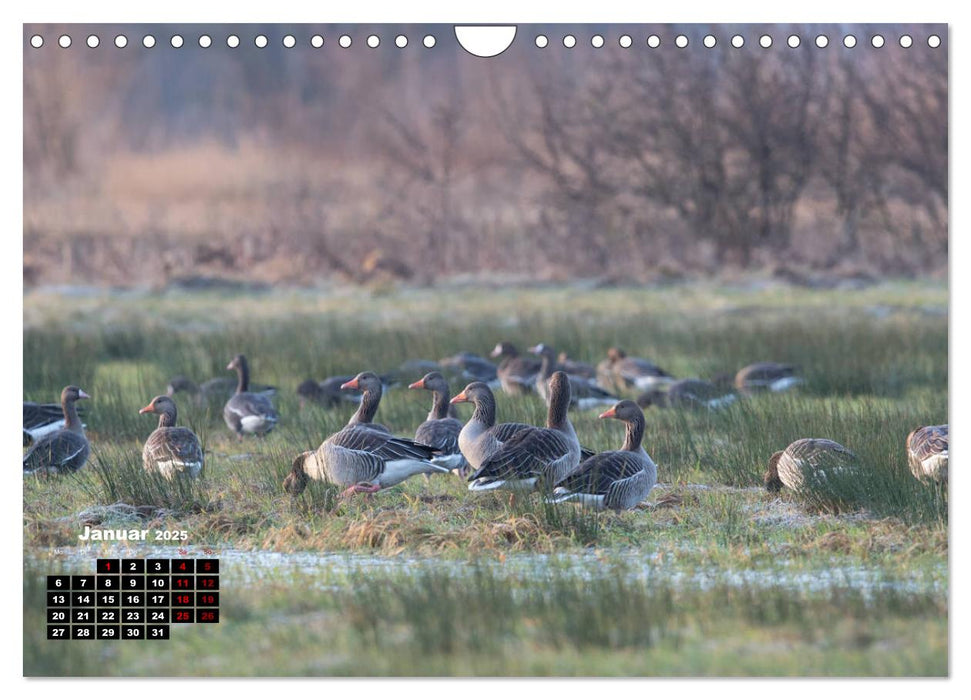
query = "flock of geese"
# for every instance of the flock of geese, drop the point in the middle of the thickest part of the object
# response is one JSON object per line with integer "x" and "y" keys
{"x": 365, "y": 457}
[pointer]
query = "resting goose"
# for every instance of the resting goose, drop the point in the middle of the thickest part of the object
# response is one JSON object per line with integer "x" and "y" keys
{"x": 218, "y": 389}
{"x": 473, "y": 368}
{"x": 171, "y": 451}
{"x": 517, "y": 374}
{"x": 441, "y": 429}
{"x": 583, "y": 394}
{"x": 326, "y": 393}
{"x": 927, "y": 449}
{"x": 766, "y": 376}
{"x": 246, "y": 412}
{"x": 807, "y": 463}
{"x": 65, "y": 449}
{"x": 620, "y": 372}
{"x": 688, "y": 393}
{"x": 534, "y": 457}
{"x": 41, "y": 419}
{"x": 618, "y": 479}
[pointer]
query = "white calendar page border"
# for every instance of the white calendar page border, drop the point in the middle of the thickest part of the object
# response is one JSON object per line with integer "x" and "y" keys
{"x": 493, "y": 11}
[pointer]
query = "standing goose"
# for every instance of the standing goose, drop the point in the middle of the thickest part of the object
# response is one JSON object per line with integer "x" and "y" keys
{"x": 808, "y": 463}
{"x": 927, "y": 449}
{"x": 361, "y": 459}
{"x": 65, "y": 449}
{"x": 534, "y": 457}
{"x": 583, "y": 394}
{"x": 481, "y": 438}
{"x": 766, "y": 376}
{"x": 618, "y": 479}
{"x": 247, "y": 412}
{"x": 41, "y": 419}
{"x": 689, "y": 393}
{"x": 372, "y": 388}
{"x": 620, "y": 372}
{"x": 171, "y": 451}
{"x": 441, "y": 429}
{"x": 517, "y": 374}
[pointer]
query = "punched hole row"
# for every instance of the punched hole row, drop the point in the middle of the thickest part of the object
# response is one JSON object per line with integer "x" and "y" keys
{"x": 233, "y": 41}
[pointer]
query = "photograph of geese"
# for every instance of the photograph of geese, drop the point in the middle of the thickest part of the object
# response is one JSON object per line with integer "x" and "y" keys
{"x": 612, "y": 350}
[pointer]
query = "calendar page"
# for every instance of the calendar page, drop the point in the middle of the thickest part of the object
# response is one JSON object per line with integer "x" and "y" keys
{"x": 508, "y": 350}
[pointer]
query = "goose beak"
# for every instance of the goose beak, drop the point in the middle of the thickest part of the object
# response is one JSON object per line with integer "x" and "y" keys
{"x": 230, "y": 366}
{"x": 82, "y": 395}
{"x": 420, "y": 384}
{"x": 353, "y": 384}
{"x": 148, "y": 409}
{"x": 609, "y": 413}
{"x": 496, "y": 351}
{"x": 459, "y": 398}
{"x": 536, "y": 349}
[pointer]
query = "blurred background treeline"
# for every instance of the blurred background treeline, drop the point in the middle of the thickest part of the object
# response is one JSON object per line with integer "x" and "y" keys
{"x": 305, "y": 166}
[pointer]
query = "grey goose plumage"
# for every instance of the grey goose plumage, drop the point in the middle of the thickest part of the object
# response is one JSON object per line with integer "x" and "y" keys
{"x": 248, "y": 413}
{"x": 472, "y": 367}
{"x": 219, "y": 389}
{"x": 440, "y": 429}
{"x": 927, "y": 452}
{"x": 766, "y": 376}
{"x": 807, "y": 464}
{"x": 618, "y": 479}
{"x": 689, "y": 394}
{"x": 583, "y": 394}
{"x": 516, "y": 373}
{"x": 480, "y": 437}
{"x": 41, "y": 419}
{"x": 171, "y": 451}
{"x": 619, "y": 372}
{"x": 65, "y": 449}
{"x": 327, "y": 392}
{"x": 534, "y": 457}
{"x": 371, "y": 387}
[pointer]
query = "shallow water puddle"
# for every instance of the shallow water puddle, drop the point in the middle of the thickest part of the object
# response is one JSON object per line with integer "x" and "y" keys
{"x": 327, "y": 570}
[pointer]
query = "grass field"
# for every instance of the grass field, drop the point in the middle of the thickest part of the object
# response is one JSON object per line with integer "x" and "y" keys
{"x": 713, "y": 576}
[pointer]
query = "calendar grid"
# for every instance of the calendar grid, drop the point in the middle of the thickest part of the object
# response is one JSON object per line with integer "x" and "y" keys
{"x": 131, "y": 599}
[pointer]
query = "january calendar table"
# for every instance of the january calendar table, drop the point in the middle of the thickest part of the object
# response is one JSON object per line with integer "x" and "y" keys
{"x": 130, "y": 599}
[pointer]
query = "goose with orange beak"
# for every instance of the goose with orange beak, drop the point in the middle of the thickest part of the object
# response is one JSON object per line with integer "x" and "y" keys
{"x": 170, "y": 450}
{"x": 441, "y": 429}
{"x": 616, "y": 480}
{"x": 66, "y": 449}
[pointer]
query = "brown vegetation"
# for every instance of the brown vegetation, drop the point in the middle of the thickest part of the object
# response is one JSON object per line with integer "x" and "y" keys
{"x": 301, "y": 165}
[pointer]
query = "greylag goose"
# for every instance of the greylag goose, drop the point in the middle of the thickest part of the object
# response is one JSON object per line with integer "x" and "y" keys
{"x": 808, "y": 463}
{"x": 441, "y": 429}
{"x": 516, "y": 373}
{"x": 170, "y": 451}
{"x": 766, "y": 376}
{"x": 583, "y": 394}
{"x": 481, "y": 438}
{"x": 363, "y": 459}
{"x": 689, "y": 393}
{"x": 41, "y": 419}
{"x": 576, "y": 368}
{"x": 618, "y": 479}
{"x": 927, "y": 452}
{"x": 65, "y": 449}
{"x": 372, "y": 388}
{"x": 246, "y": 412}
{"x": 534, "y": 457}
{"x": 218, "y": 389}
{"x": 326, "y": 393}
{"x": 619, "y": 372}
{"x": 472, "y": 367}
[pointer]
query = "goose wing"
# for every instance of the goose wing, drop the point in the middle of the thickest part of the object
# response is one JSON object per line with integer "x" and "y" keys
{"x": 442, "y": 434}
{"x": 598, "y": 473}
{"x": 63, "y": 449}
{"x": 928, "y": 441}
{"x": 382, "y": 445}
{"x": 528, "y": 453}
